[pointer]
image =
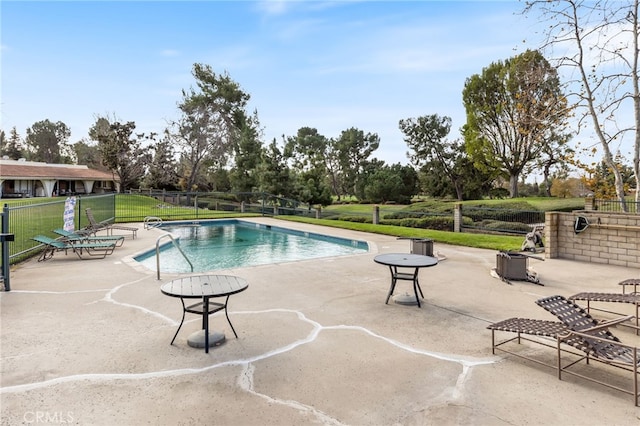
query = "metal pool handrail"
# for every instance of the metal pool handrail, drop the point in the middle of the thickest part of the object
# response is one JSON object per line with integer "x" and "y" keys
{"x": 175, "y": 245}
{"x": 152, "y": 222}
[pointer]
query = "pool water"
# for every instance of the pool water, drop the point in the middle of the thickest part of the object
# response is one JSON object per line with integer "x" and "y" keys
{"x": 212, "y": 245}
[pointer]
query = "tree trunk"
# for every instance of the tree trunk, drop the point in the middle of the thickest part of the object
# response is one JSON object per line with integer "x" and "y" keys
{"x": 513, "y": 185}
{"x": 458, "y": 191}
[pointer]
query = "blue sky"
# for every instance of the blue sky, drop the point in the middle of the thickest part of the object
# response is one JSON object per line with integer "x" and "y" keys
{"x": 327, "y": 65}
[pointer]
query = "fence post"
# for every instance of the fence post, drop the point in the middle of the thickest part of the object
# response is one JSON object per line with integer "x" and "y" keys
{"x": 5, "y": 237}
{"x": 588, "y": 203}
{"x": 551, "y": 234}
{"x": 457, "y": 218}
{"x": 319, "y": 212}
{"x": 79, "y": 210}
{"x": 376, "y": 215}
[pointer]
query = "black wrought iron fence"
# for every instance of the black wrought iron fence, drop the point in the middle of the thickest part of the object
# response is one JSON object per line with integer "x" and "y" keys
{"x": 166, "y": 205}
{"x": 501, "y": 220}
{"x": 628, "y": 206}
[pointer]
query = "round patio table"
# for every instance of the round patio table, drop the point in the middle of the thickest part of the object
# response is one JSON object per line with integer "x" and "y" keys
{"x": 405, "y": 261}
{"x": 204, "y": 287}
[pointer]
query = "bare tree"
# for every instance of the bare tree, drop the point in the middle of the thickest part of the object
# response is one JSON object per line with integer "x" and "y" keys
{"x": 598, "y": 41}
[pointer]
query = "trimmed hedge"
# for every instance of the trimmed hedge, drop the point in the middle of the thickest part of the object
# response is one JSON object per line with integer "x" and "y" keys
{"x": 413, "y": 214}
{"x": 498, "y": 225}
{"x": 440, "y": 223}
{"x": 358, "y": 219}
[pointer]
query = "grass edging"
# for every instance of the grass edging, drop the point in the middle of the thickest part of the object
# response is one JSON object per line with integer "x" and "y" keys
{"x": 484, "y": 241}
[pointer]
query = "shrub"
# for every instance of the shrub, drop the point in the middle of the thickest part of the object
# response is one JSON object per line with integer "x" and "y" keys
{"x": 358, "y": 219}
{"x": 497, "y": 225}
{"x": 440, "y": 223}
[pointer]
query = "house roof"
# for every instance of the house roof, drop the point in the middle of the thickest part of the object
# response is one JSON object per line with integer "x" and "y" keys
{"x": 27, "y": 170}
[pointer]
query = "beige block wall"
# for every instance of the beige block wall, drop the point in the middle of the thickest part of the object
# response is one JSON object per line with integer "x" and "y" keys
{"x": 611, "y": 238}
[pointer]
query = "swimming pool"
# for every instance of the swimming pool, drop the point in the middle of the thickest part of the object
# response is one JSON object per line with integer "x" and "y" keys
{"x": 222, "y": 244}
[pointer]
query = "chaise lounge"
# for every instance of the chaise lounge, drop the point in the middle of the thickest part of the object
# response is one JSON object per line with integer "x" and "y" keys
{"x": 577, "y": 334}
{"x": 629, "y": 298}
{"x": 95, "y": 226}
{"x": 51, "y": 246}
{"x": 75, "y": 237}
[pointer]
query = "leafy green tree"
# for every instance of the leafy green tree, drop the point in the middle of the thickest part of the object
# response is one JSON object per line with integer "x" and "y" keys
{"x": 49, "y": 142}
{"x": 310, "y": 188}
{"x": 426, "y": 137}
{"x": 555, "y": 155}
{"x": 396, "y": 183}
{"x": 369, "y": 167}
{"x": 12, "y": 147}
{"x": 219, "y": 179}
{"x": 211, "y": 118}
{"x": 474, "y": 183}
{"x": 121, "y": 150}
{"x": 247, "y": 156}
{"x": 383, "y": 186}
{"x": 308, "y": 151}
{"x": 514, "y": 109}
{"x": 88, "y": 154}
{"x": 162, "y": 172}
{"x": 274, "y": 175}
{"x": 352, "y": 149}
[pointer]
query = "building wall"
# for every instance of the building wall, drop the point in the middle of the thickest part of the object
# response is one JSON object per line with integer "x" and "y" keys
{"x": 612, "y": 238}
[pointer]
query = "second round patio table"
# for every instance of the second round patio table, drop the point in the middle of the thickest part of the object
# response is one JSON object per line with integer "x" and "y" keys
{"x": 405, "y": 261}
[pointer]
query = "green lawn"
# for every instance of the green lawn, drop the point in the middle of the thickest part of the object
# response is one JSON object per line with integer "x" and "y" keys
{"x": 487, "y": 241}
{"x": 535, "y": 203}
{"x": 132, "y": 208}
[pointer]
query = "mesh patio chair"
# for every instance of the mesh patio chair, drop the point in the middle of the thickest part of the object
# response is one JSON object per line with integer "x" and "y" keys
{"x": 51, "y": 246}
{"x": 75, "y": 237}
{"x": 594, "y": 340}
{"x": 632, "y": 299}
{"x": 95, "y": 226}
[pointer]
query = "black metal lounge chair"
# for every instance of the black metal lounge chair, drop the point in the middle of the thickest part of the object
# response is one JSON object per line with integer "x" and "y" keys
{"x": 91, "y": 249}
{"x": 630, "y": 298}
{"x": 95, "y": 226}
{"x": 542, "y": 332}
{"x": 635, "y": 282}
{"x": 75, "y": 237}
{"x": 576, "y": 334}
{"x": 595, "y": 341}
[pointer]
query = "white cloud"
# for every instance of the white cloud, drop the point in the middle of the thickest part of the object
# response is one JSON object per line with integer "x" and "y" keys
{"x": 273, "y": 7}
{"x": 170, "y": 52}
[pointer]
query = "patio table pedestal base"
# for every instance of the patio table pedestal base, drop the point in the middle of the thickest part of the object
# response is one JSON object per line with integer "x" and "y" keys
{"x": 405, "y": 299}
{"x": 196, "y": 340}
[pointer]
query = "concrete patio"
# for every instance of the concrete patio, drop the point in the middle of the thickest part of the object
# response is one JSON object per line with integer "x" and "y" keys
{"x": 87, "y": 342}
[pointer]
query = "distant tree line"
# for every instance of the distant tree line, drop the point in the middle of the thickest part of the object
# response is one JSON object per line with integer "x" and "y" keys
{"x": 517, "y": 124}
